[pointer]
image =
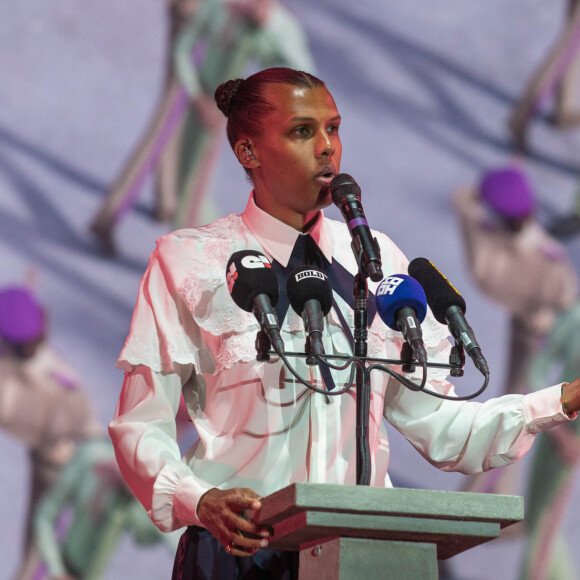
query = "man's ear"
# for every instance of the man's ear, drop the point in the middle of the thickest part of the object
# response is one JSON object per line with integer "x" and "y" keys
{"x": 246, "y": 154}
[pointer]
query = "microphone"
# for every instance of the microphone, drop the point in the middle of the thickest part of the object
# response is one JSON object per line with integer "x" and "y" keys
{"x": 310, "y": 295}
{"x": 253, "y": 285}
{"x": 448, "y": 307}
{"x": 402, "y": 306}
{"x": 346, "y": 195}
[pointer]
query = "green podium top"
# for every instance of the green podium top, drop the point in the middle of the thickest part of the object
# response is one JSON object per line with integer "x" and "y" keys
{"x": 303, "y": 514}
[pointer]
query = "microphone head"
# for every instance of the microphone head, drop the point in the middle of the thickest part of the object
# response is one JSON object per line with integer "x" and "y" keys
{"x": 248, "y": 274}
{"x": 396, "y": 292}
{"x": 342, "y": 186}
{"x": 440, "y": 292}
{"x": 307, "y": 283}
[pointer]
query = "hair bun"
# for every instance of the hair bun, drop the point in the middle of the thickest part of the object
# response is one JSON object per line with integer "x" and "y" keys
{"x": 225, "y": 94}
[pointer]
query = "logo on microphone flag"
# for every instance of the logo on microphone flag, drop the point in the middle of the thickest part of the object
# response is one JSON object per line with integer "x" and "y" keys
{"x": 310, "y": 274}
{"x": 389, "y": 285}
{"x": 247, "y": 262}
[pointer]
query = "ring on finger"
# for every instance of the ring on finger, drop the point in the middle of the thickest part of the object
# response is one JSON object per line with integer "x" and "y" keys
{"x": 230, "y": 547}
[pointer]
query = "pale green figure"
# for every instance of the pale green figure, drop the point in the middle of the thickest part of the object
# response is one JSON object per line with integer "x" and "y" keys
{"x": 103, "y": 509}
{"x": 232, "y": 33}
{"x": 555, "y": 460}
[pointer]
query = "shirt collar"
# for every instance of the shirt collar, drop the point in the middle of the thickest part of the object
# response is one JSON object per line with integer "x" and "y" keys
{"x": 278, "y": 238}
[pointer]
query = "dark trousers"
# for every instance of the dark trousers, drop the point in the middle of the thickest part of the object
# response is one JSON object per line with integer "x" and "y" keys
{"x": 201, "y": 557}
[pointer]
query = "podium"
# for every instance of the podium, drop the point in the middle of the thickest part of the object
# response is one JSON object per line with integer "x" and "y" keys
{"x": 345, "y": 532}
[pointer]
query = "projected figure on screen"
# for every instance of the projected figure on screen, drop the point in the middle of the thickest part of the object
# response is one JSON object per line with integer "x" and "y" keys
{"x": 557, "y": 75}
{"x": 81, "y": 519}
{"x": 517, "y": 264}
{"x": 103, "y": 509}
{"x": 555, "y": 462}
{"x": 100, "y": 509}
{"x": 229, "y": 35}
{"x": 157, "y": 150}
{"x": 42, "y": 403}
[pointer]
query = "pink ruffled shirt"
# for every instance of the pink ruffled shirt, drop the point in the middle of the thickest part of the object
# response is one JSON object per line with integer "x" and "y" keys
{"x": 258, "y": 426}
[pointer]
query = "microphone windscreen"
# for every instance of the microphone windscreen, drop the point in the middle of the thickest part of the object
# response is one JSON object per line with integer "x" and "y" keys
{"x": 396, "y": 292}
{"x": 439, "y": 291}
{"x": 248, "y": 274}
{"x": 343, "y": 185}
{"x": 306, "y": 283}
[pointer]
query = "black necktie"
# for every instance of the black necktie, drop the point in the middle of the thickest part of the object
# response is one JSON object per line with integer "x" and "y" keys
{"x": 306, "y": 252}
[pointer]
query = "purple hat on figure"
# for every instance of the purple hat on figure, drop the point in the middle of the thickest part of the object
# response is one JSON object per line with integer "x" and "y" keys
{"x": 508, "y": 192}
{"x": 21, "y": 316}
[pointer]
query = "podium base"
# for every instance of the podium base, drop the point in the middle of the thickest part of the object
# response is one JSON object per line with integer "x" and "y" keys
{"x": 348, "y": 558}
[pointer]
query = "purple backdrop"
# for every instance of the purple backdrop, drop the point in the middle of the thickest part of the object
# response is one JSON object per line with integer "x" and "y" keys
{"x": 424, "y": 90}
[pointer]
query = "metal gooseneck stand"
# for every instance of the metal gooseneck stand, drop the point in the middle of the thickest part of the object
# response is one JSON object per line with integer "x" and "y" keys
{"x": 363, "y": 387}
{"x": 372, "y": 269}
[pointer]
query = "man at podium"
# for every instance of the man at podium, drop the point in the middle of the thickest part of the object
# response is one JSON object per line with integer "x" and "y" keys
{"x": 260, "y": 428}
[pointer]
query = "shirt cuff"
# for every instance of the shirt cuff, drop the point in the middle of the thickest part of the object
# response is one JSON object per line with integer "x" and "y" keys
{"x": 176, "y": 495}
{"x": 543, "y": 409}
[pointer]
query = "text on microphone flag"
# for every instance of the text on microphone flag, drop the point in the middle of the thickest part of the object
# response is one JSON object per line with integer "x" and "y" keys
{"x": 389, "y": 285}
{"x": 310, "y": 274}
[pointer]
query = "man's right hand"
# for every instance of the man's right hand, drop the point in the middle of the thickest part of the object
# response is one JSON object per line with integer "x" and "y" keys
{"x": 220, "y": 511}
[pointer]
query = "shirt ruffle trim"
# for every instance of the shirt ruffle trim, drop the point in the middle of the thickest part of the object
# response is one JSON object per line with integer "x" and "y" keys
{"x": 192, "y": 265}
{"x": 146, "y": 352}
{"x": 200, "y": 256}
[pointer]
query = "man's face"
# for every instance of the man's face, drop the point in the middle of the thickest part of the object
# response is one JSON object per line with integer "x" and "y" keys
{"x": 298, "y": 153}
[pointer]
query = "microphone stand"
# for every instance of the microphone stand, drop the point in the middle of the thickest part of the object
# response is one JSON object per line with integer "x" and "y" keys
{"x": 363, "y": 387}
